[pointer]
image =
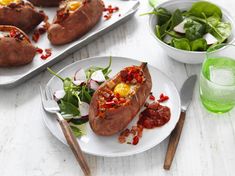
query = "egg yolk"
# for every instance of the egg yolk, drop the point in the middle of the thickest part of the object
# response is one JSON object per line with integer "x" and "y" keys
{"x": 7, "y": 2}
{"x": 74, "y": 5}
{"x": 122, "y": 89}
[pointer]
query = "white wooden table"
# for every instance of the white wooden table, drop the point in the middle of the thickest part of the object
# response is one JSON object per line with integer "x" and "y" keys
{"x": 27, "y": 148}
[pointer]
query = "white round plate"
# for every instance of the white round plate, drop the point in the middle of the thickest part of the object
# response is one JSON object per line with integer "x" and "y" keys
{"x": 109, "y": 146}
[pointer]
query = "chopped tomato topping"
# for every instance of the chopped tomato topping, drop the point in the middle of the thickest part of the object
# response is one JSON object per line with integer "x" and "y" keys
{"x": 110, "y": 10}
{"x": 135, "y": 140}
{"x": 163, "y": 98}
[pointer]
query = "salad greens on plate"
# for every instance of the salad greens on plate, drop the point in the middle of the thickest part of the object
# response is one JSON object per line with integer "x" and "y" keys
{"x": 76, "y": 94}
{"x": 194, "y": 30}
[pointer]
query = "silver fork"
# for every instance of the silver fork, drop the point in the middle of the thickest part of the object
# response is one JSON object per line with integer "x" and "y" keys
{"x": 51, "y": 106}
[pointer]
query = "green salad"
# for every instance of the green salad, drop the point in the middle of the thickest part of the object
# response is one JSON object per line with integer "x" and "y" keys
{"x": 194, "y": 30}
{"x": 76, "y": 94}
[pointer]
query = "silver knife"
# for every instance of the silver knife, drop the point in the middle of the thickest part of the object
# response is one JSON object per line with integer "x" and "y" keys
{"x": 186, "y": 94}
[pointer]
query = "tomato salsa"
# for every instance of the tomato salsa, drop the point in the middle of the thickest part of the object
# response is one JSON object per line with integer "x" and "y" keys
{"x": 154, "y": 115}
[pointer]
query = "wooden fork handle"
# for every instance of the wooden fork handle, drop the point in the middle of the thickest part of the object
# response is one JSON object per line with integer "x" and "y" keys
{"x": 72, "y": 141}
{"x": 173, "y": 142}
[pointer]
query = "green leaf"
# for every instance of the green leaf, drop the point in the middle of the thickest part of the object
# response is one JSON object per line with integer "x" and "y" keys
{"x": 163, "y": 15}
{"x": 177, "y": 18}
{"x": 76, "y": 131}
{"x": 174, "y": 34}
{"x": 213, "y": 20}
{"x": 194, "y": 30}
{"x": 199, "y": 45}
{"x": 161, "y": 30}
{"x": 182, "y": 43}
{"x": 153, "y": 3}
{"x": 206, "y": 8}
{"x": 158, "y": 31}
{"x": 222, "y": 31}
{"x": 55, "y": 74}
{"x": 107, "y": 70}
{"x": 215, "y": 47}
{"x": 86, "y": 94}
{"x": 68, "y": 108}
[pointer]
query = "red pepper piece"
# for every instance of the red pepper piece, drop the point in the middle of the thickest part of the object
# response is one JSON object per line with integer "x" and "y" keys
{"x": 163, "y": 98}
{"x": 151, "y": 97}
{"x": 39, "y": 50}
{"x": 135, "y": 140}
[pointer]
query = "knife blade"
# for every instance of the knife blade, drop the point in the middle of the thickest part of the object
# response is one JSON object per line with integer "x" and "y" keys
{"x": 186, "y": 94}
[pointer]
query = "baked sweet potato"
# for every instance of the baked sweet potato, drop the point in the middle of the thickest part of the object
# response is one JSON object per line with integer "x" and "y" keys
{"x": 46, "y": 3}
{"x": 20, "y": 14}
{"x": 15, "y": 47}
{"x": 117, "y": 101}
{"x": 74, "y": 19}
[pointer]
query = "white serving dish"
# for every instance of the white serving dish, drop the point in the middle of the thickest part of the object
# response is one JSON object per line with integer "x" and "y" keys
{"x": 10, "y": 77}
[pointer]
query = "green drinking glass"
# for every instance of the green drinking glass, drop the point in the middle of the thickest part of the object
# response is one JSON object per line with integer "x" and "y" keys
{"x": 217, "y": 79}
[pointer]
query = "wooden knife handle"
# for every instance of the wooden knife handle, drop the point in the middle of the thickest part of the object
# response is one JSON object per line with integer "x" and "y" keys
{"x": 173, "y": 141}
{"x": 72, "y": 141}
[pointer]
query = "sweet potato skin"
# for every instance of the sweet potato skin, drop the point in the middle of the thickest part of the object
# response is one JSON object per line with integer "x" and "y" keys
{"x": 117, "y": 119}
{"x": 23, "y": 16}
{"x": 45, "y": 3}
{"x": 16, "y": 52}
{"x": 76, "y": 24}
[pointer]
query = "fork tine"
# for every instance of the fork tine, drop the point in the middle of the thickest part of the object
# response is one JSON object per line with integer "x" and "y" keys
{"x": 48, "y": 93}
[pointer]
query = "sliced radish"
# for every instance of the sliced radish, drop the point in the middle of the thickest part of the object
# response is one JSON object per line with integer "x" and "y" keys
{"x": 94, "y": 85}
{"x": 80, "y": 75}
{"x": 59, "y": 94}
{"x": 210, "y": 39}
{"x": 78, "y": 82}
{"x": 180, "y": 27}
{"x": 98, "y": 76}
{"x": 167, "y": 39}
{"x": 84, "y": 108}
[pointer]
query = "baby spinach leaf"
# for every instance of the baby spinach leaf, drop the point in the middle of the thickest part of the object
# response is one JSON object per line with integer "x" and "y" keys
{"x": 213, "y": 20}
{"x": 174, "y": 34}
{"x": 163, "y": 15}
{"x": 68, "y": 108}
{"x": 177, "y": 18}
{"x": 222, "y": 31}
{"x": 86, "y": 94}
{"x": 158, "y": 32}
{"x": 182, "y": 43}
{"x": 206, "y": 8}
{"x": 215, "y": 47}
{"x": 199, "y": 45}
{"x": 194, "y": 30}
{"x": 76, "y": 131}
{"x": 105, "y": 70}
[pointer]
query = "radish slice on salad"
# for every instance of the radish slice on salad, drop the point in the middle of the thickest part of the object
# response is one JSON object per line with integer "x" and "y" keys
{"x": 80, "y": 75}
{"x": 93, "y": 85}
{"x": 98, "y": 76}
{"x": 180, "y": 27}
{"x": 84, "y": 108}
{"x": 210, "y": 39}
{"x": 59, "y": 94}
{"x": 78, "y": 82}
